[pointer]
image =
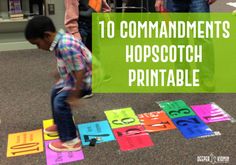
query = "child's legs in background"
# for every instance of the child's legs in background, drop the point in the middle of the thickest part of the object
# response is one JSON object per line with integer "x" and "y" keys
{"x": 199, "y": 6}
{"x": 85, "y": 29}
{"x": 187, "y": 5}
{"x": 62, "y": 115}
{"x": 178, "y": 5}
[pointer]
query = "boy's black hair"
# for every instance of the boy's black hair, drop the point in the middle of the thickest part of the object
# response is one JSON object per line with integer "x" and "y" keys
{"x": 37, "y": 26}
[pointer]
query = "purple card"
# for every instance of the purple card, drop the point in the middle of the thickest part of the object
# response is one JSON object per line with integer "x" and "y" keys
{"x": 54, "y": 158}
{"x": 211, "y": 113}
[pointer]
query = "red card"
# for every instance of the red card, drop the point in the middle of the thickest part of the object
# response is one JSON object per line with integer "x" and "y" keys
{"x": 133, "y": 137}
{"x": 156, "y": 121}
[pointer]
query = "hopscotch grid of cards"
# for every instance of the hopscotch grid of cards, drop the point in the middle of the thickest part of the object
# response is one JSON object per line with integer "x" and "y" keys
{"x": 131, "y": 131}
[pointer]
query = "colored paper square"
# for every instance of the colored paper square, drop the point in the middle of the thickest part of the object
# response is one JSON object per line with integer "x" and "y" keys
{"x": 132, "y": 138}
{"x": 122, "y": 118}
{"x": 54, "y": 158}
{"x": 25, "y": 143}
{"x": 192, "y": 127}
{"x": 210, "y": 113}
{"x": 175, "y": 109}
{"x": 156, "y": 121}
{"x": 100, "y": 130}
{"x": 46, "y": 124}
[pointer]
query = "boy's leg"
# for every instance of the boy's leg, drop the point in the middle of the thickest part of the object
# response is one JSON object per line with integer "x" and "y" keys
{"x": 63, "y": 117}
{"x": 65, "y": 125}
{"x": 85, "y": 29}
{"x": 52, "y": 129}
{"x": 53, "y": 95}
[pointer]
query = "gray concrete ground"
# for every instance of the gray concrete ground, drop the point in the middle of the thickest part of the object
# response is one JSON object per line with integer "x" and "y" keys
{"x": 24, "y": 91}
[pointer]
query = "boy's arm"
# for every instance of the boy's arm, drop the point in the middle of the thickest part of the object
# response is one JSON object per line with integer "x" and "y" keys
{"x": 71, "y": 17}
{"x": 75, "y": 94}
{"x": 79, "y": 75}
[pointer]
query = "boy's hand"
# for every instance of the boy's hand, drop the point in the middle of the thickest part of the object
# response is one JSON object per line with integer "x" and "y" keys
{"x": 73, "y": 99}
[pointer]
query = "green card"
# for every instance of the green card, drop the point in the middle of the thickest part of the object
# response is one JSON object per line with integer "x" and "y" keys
{"x": 122, "y": 118}
{"x": 177, "y": 108}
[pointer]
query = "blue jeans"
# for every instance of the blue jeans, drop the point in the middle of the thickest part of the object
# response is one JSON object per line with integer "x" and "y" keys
{"x": 187, "y": 6}
{"x": 62, "y": 115}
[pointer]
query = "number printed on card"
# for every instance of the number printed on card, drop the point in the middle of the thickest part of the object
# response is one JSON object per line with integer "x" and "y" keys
{"x": 175, "y": 109}
{"x": 192, "y": 127}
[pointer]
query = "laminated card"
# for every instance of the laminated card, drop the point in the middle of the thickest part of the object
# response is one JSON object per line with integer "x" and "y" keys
{"x": 210, "y": 113}
{"x": 54, "y": 158}
{"x": 25, "y": 143}
{"x": 192, "y": 127}
{"x": 156, "y": 121}
{"x": 99, "y": 130}
{"x": 122, "y": 118}
{"x": 48, "y": 123}
{"x": 177, "y": 108}
{"x": 133, "y": 137}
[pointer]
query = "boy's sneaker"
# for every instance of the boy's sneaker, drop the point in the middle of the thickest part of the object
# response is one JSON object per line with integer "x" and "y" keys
{"x": 60, "y": 146}
{"x": 86, "y": 94}
{"x": 52, "y": 130}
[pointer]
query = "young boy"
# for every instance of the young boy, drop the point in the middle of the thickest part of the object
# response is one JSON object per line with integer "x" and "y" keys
{"x": 74, "y": 68}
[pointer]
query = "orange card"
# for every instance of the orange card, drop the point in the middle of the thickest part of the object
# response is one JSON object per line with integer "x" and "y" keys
{"x": 96, "y": 5}
{"x": 25, "y": 143}
{"x": 156, "y": 121}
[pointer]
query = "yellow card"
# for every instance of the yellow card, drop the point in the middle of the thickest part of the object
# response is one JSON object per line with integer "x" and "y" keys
{"x": 25, "y": 143}
{"x": 48, "y": 123}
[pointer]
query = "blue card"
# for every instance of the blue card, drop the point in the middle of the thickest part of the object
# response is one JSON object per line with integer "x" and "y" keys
{"x": 101, "y": 131}
{"x": 192, "y": 126}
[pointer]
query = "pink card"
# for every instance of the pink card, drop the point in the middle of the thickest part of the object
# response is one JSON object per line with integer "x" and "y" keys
{"x": 211, "y": 113}
{"x": 54, "y": 158}
{"x": 133, "y": 137}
